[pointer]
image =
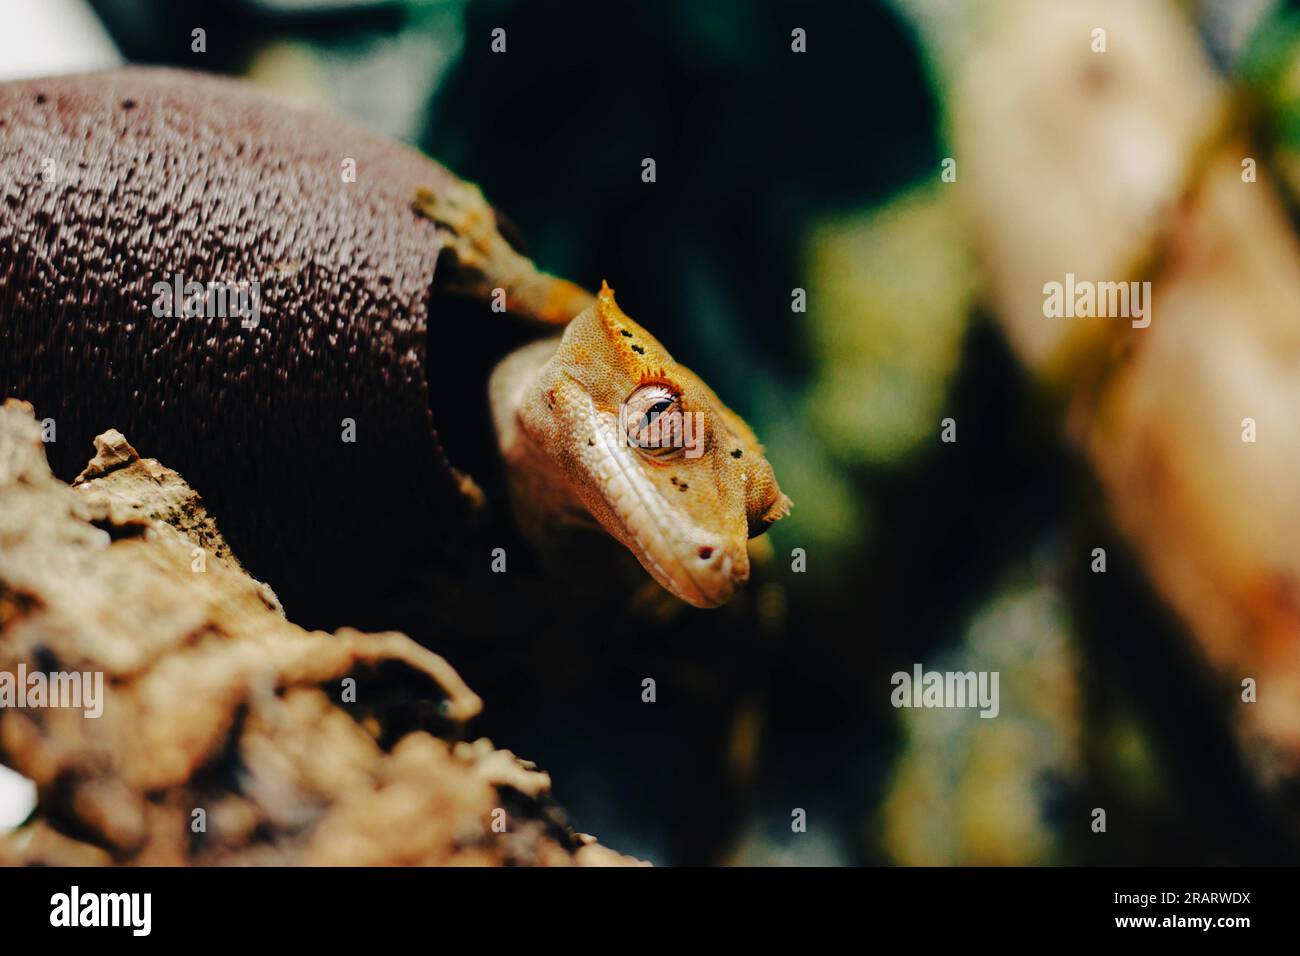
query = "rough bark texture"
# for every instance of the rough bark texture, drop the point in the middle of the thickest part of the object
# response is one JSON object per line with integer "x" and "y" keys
{"x": 214, "y": 702}
{"x": 112, "y": 183}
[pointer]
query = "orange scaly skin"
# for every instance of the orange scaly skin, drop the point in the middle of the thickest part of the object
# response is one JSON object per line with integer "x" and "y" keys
{"x": 686, "y": 513}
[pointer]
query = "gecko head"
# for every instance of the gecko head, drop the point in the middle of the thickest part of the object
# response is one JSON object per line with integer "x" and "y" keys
{"x": 648, "y": 451}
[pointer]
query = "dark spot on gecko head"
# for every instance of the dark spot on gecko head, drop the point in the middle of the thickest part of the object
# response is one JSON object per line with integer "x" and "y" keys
{"x": 638, "y": 350}
{"x": 590, "y": 443}
{"x": 40, "y": 99}
{"x": 625, "y": 333}
{"x": 128, "y": 104}
{"x": 678, "y": 483}
{"x": 736, "y": 453}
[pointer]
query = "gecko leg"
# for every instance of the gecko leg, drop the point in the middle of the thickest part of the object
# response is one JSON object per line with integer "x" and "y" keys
{"x": 483, "y": 262}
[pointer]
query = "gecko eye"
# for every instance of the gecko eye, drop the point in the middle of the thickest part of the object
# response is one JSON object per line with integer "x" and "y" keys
{"x": 654, "y": 423}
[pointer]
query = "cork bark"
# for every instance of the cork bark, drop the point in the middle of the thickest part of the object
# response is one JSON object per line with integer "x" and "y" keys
{"x": 113, "y": 185}
{"x": 228, "y": 735}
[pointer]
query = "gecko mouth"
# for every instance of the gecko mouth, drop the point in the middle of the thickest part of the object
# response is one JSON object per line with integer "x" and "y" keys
{"x": 691, "y": 562}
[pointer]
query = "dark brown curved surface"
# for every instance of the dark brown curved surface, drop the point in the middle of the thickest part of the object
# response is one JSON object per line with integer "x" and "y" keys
{"x": 159, "y": 172}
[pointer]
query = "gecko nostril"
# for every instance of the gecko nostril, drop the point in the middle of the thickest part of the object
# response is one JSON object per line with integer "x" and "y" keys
{"x": 705, "y": 553}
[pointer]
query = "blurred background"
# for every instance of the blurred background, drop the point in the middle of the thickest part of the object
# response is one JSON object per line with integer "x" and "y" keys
{"x": 821, "y": 171}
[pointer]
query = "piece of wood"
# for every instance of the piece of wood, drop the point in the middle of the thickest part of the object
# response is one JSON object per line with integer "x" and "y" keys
{"x": 226, "y": 734}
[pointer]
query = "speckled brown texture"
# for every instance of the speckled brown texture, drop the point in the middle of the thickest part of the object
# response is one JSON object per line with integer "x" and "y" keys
{"x": 159, "y": 172}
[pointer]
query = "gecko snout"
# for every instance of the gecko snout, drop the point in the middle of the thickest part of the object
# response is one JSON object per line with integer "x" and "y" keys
{"x": 713, "y": 575}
